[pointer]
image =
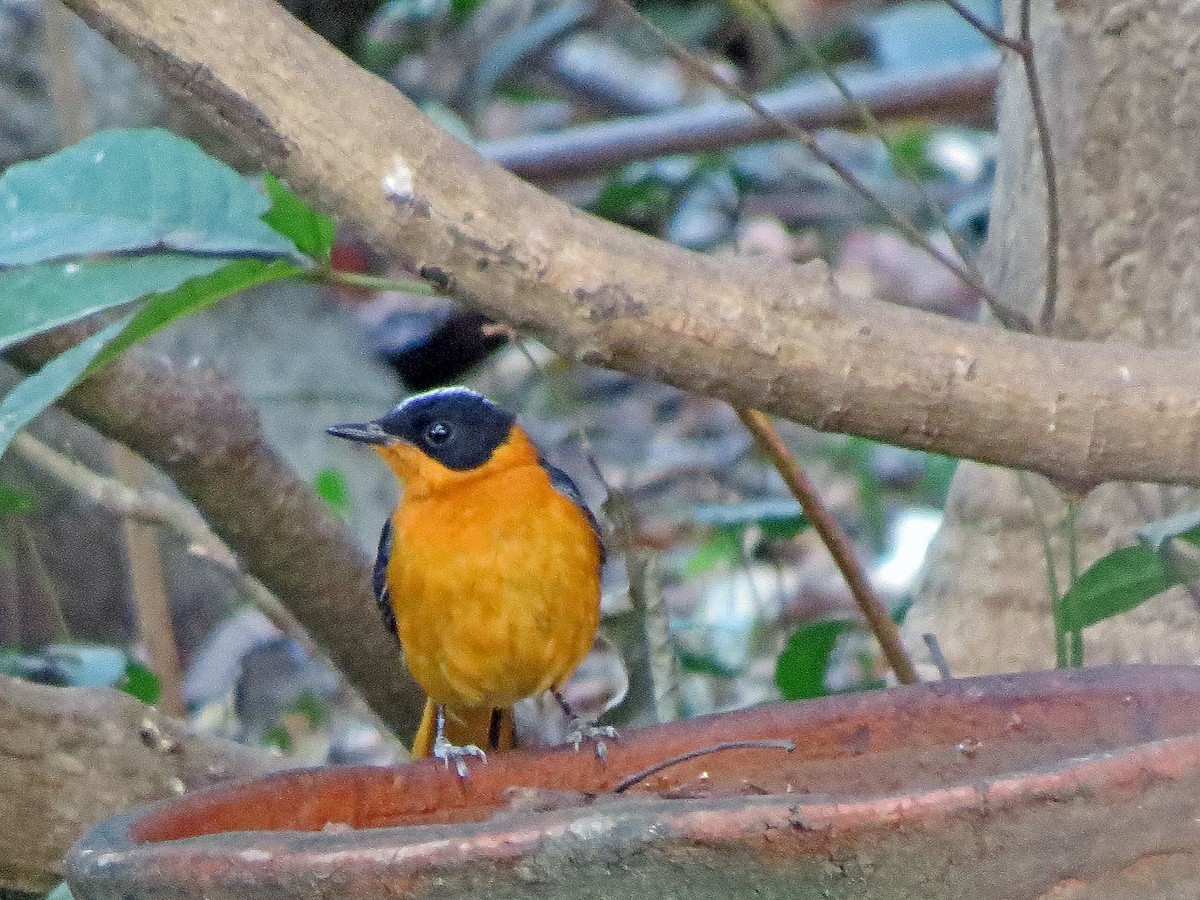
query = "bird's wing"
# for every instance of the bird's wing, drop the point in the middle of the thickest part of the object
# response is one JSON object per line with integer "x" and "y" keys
{"x": 562, "y": 483}
{"x": 379, "y": 580}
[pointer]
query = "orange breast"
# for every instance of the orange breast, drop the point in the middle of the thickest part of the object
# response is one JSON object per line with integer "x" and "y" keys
{"x": 495, "y": 583}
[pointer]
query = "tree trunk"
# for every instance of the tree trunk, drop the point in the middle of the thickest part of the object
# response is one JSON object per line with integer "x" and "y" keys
{"x": 1122, "y": 89}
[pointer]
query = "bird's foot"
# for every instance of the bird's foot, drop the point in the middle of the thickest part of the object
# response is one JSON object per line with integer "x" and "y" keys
{"x": 587, "y": 731}
{"x": 448, "y": 752}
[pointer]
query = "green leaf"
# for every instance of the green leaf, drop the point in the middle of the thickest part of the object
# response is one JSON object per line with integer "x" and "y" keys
{"x": 908, "y": 147}
{"x": 1116, "y": 583}
{"x": 38, "y": 298}
{"x": 935, "y": 483}
{"x": 311, "y": 232}
{"x": 313, "y": 707}
{"x": 331, "y": 486}
{"x": 54, "y": 379}
{"x": 160, "y": 310}
{"x": 461, "y": 10}
{"x": 128, "y": 190}
{"x": 637, "y": 196}
{"x": 800, "y": 669}
{"x": 870, "y": 491}
{"x": 700, "y": 663}
{"x": 14, "y": 500}
{"x": 722, "y": 548}
{"x": 59, "y": 375}
{"x": 280, "y": 738}
{"x": 140, "y": 682}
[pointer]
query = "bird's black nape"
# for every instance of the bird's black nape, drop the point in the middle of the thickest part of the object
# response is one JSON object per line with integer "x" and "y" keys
{"x": 455, "y": 426}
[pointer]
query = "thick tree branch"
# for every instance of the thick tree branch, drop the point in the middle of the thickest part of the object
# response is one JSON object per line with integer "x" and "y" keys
{"x": 149, "y": 507}
{"x": 71, "y": 757}
{"x": 196, "y": 425}
{"x": 779, "y": 338}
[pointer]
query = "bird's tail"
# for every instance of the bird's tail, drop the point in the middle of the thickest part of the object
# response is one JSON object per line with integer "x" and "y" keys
{"x": 490, "y": 729}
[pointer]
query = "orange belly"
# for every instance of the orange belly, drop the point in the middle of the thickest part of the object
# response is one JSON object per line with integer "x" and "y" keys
{"x": 495, "y": 584}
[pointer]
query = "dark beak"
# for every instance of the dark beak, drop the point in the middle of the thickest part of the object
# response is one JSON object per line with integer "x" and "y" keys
{"x": 367, "y": 433}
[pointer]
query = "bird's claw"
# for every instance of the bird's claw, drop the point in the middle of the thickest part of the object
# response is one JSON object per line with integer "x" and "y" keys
{"x": 446, "y": 751}
{"x": 585, "y": 731}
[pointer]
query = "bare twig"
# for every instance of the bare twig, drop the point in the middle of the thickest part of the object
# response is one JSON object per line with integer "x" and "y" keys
{"x": 869, "y": 602}
{"x": 629, "y": 781}
{"x": 1023, "y": 47}
{"x": 1009, "y": 318}
{"x": 995, "y": 35}
{"x": 1053, "y": 225}
{"x": 154, "y": 508}
{"x": 1043, "y": 531}
{"x": 373, "y": 282}
{"x": 872, "y": 124}
{"x": 935, "y": 653}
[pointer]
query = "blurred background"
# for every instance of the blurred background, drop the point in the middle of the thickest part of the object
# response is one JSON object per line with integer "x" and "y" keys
{"x": 719, "y": 595}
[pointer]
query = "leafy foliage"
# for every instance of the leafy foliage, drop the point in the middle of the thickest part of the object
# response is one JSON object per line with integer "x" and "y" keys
{"x": 38, "y": 298}
{"x": 131, "y": 215}
{"x": 800, "y": 670}
{"x": 1117, "y": 583}
{"x": 333, "y": 489}
{"x": 14, "y": 500}
{"x": 131, "y": 191}
{"x": 1129, "y": 576}
{"x": 140, "y": 683}
{"x": 311, "y": 232}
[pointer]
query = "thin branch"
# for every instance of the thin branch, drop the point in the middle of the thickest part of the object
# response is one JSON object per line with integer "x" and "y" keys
{"x": 869, "y": 602}
{"x": 67, "y": 95}
{"x": 1023, "y": 47}
{"x": 1071, "y": 529}
{"x": 872, "y": 124}
{"x": 1053, "y": 223}
{"x": 151, "y": 507}
{"x": 995, "y": 35}
{"x": 372, "y": 282}
{"x": 1011, "y": 319}
{"x": 767, "y": 744}
{"x": 939, "y": 658}
{"x": 781, "y": 338}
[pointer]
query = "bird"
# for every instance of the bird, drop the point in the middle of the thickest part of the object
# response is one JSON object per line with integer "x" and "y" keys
{"x": 488, "y": 570}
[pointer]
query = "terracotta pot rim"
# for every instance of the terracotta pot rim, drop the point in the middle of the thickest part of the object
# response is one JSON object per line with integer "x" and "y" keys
{"x": 1113, "y": 769}
{"x": 406, "y": 849}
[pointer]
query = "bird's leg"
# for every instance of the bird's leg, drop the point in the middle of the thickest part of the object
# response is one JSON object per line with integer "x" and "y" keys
{"x": 586, "y": 731}
{"x": 446, "y": 751}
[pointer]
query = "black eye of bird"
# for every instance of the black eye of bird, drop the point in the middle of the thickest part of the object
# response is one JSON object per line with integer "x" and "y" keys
{"x": 437, "y": 433}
